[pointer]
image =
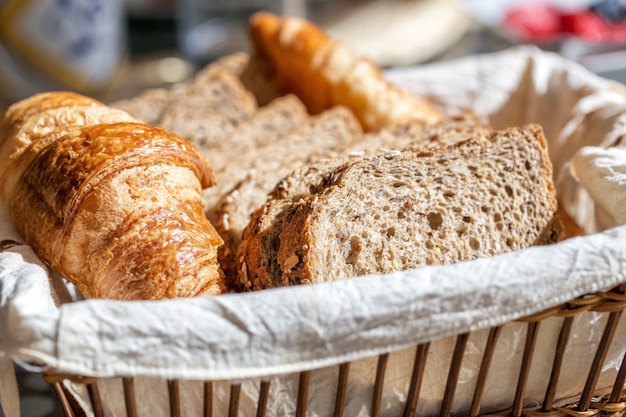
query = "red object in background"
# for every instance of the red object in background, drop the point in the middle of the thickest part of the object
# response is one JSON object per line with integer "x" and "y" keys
{"x": 593, "y": 28}
{"x": 539, "y": 23}
{"x": 542, "y": 23}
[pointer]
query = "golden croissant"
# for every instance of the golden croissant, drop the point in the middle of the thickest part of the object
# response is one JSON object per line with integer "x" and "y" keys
{"x": 323, "y": 73}
{"x": 113, "y": 205}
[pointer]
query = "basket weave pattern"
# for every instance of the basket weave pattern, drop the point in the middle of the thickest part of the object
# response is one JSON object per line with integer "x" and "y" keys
{"x": 611, "y": 303}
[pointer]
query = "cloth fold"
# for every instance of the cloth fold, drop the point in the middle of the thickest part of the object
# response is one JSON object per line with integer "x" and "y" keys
{"x": 603, "y": 174}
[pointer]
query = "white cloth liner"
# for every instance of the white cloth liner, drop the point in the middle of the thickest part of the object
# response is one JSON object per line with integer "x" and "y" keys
{"x": 282, "y": 331}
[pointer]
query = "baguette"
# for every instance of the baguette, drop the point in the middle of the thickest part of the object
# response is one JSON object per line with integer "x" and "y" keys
{"x": 422, "y": 206}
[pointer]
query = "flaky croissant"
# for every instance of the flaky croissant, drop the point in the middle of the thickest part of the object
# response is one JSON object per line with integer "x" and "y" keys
{"x": 113, "y": 205}
{"x": 324, "y": 73}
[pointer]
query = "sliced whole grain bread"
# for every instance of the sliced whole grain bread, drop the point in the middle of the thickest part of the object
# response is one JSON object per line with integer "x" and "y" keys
{"x": 209, "y": 108}
{"x": 260, "y": 241}
{"x": 389, "y": 141}
{"x": 257, "y": 78}
{"x": 148, "y": 105}
{"x": 234, "y": 63}
{"x": 247, "y": 179}
{"x": 318, "y": 171}
{"x": 268, "y": 124}
{"x": 321, "y": 136}
{"x": 254, "y": 73}
{"x": 422, "y": 206}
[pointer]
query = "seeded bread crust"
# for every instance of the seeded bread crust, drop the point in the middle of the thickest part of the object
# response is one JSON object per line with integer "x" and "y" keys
{"x": 418, "y": 207}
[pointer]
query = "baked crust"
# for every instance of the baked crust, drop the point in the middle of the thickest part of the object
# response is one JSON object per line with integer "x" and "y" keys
{"x": 325, "y": 73}
{"x": 117, "y": 209}
{"x": 27, "y": 120}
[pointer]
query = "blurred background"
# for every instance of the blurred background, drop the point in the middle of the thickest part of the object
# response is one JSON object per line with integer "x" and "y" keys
{"x": 113, "y": 49}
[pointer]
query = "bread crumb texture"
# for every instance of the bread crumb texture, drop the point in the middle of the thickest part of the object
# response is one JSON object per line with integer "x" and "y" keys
{"x": 421, "y": 206}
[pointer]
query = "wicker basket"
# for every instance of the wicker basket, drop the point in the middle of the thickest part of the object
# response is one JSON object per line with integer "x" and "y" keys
{"x": 518, "y": 363}
{"x": 611, "y": 304}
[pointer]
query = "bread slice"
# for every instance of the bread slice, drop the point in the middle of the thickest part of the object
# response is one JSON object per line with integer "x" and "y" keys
{"x": 422, "y": 206}
{"x": 317, "y": 173}
{"x": 148, "y": 105}
{"x": 389, "y": 141}
{"x": 254, "y": 73}
{"x": 258, "y": 79}
{"x": 268, "y": 124}
{"x": 209, "y": 108}
{"x": 247, "y": 179}
{"x": 260, "y": 241}
{"x": 234, "y": 63}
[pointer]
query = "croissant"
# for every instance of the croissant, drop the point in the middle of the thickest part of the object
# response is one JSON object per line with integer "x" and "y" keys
{"x": 46, "y": 115}
{"x": 324, "y": 72}
{"x": 113, "y": 205}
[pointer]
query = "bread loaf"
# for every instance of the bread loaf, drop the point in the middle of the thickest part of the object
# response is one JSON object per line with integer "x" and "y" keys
{"x": 422, "y": 206}
{"x": 260, "y": 239}
{"x": 113, "y": 205}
